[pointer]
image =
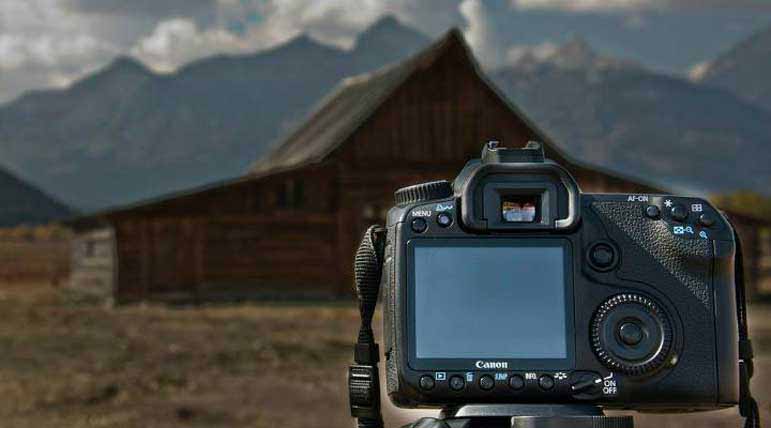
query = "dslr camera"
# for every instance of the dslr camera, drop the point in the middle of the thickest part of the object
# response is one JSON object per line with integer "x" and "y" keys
{"x": 509, "y": 285}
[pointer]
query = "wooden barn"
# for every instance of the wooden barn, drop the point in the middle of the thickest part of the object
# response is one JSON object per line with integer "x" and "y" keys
{"x": 290, "y": 227}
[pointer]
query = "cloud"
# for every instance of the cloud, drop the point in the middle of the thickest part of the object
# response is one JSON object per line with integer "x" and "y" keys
{"x": 40, "y": 43}
{"x": 538, "y": 53}
{"x": 44, "y": 50}
{"x": 699, "y": 71}
{"x": 51, "y": 42}
{"x": 483, "y": 29}
{"x": 624, "y": 5}
{"x": 153, "y": 8}
{"x": 338, "y": 22}
{"x": 179, "y": 40}
{"x": 176, "y": 41}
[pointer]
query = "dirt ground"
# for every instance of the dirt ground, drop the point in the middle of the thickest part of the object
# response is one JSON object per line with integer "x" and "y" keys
{"x": 65, "y": 363}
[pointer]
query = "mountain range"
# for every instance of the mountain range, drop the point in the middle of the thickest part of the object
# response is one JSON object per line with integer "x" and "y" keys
{"x": 744, "y": 70}
{"x": 679, "y": 134}
{"x": 126, "y": 133}
{"x": 21, "y": 203}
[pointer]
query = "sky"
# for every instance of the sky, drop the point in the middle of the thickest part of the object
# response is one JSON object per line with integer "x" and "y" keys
{"x": 50, "y": 43}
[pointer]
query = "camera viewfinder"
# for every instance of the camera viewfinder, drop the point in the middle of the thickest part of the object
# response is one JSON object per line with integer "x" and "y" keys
{"x": 520, "y": 208}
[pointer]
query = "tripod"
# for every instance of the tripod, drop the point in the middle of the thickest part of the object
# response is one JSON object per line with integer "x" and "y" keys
{"x": 524, "y": 416}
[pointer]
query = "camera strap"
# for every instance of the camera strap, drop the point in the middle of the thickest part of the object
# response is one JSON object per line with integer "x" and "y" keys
{"x": 748, "y": 407}
{"x": 363, "y": 376}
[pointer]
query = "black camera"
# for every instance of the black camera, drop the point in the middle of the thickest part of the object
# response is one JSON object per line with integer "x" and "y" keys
{"x": 511, "y": 286}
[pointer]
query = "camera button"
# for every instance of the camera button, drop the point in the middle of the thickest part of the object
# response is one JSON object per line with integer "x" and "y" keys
{"x": 602, "y": 256}
{"x": 427, "y": 382}
{"x": 679, "y": 213}
{"x": 546, "y": 382}
{"x": 457, "y": 383}
{"x": 486, "y": 382}
{"x": 516, "y": 382}
{"x": 630, "y": 333}
{"x": 444, "y": 219}
{"x": 653, "y": 212}
{"x": 706, "y": 220}
{"x": 419, "y": 225}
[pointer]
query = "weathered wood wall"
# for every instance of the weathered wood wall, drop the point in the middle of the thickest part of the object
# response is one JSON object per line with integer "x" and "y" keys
{"x": 272, "y": 237}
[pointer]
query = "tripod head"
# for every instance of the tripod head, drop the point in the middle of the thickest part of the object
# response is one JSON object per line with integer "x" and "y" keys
{"x": 524, "y": 416}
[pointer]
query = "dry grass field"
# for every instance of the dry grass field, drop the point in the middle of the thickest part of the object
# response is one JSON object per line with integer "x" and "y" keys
{"x": 40, "y": 254}
{"x": 65, "y": 363}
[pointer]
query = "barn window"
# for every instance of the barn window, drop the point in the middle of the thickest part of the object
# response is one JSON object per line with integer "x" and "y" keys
{"x": 291, "y": 194}
{"x": 281, "y": 196}
{"x": 298, "y": 194}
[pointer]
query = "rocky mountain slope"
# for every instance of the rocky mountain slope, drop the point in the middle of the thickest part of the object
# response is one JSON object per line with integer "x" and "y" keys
{"x": 665, "y": 129}
{"x": 126, "y": 133}
{"x": 21, "y": 203}
{"x": 744, "y": 70}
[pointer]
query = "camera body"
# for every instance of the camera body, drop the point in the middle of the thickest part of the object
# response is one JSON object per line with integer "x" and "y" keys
{"x": 511, "y": 286}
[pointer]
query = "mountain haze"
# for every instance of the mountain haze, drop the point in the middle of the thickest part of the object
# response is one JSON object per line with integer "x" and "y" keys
{"x": 744, "y": 70}
{"x": 667, "y": 130}
{"x": 126, "y": 133}
{"x": 21, "y": 203}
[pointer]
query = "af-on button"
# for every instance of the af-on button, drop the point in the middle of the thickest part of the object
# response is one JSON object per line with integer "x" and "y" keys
{"x": 653, "y": 212}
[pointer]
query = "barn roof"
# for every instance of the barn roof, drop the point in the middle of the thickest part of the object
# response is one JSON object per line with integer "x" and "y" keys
{"x": 355, "y": 99}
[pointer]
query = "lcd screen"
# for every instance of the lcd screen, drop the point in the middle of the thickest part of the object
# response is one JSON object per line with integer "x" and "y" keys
{"x": 490, "y": 301}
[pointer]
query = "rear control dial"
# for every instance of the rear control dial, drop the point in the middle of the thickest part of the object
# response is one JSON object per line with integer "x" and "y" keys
{"x": 631, "y": 334}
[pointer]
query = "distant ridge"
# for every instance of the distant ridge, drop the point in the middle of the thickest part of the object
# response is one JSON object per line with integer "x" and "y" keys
{"x": 744, "y": 70}
{"x": 125, "y": 133}
{"x": 22, "y": 204}
{"x": 617, "y": 114}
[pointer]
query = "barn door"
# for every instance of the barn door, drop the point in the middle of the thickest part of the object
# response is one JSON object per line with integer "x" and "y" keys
{"x": 173, "y": 261}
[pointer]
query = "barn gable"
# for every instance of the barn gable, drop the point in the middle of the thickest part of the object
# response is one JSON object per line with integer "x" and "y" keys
{"x": 358, "y": 100}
